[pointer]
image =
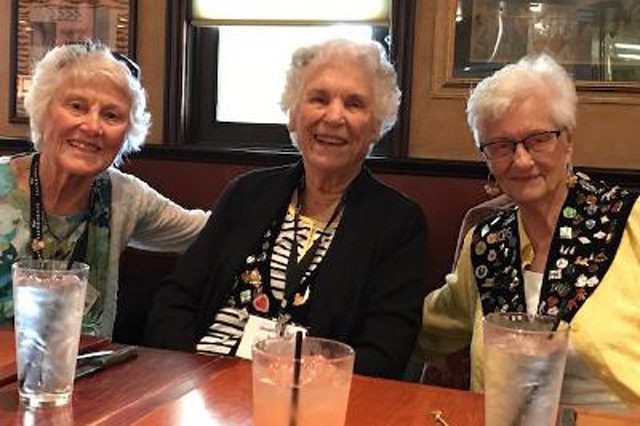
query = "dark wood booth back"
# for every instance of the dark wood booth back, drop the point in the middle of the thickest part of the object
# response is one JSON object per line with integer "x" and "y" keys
{"x": 444, "y": 201}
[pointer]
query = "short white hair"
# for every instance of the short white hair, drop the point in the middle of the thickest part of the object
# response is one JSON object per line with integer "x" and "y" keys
{"x": 86, "y": 60}
{"x": 369, "y": 54}
{"x": 516, "y": 82}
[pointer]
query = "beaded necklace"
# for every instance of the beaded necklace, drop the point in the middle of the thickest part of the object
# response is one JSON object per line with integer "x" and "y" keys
{"x": 39, "y": 219}
{"x": 296, "y": 269}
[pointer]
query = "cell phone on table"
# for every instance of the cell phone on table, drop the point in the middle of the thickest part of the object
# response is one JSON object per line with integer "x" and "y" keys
{"x": 90, "y": 363}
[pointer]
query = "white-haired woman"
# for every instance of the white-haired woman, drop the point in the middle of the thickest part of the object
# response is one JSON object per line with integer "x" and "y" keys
{"x": 87, "y": 110}
{"x": 321, "y": 244}
{"x": 568, "y": 247}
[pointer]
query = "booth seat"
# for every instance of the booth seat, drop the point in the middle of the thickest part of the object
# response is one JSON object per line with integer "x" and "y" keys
{"x": 444, "y": 201}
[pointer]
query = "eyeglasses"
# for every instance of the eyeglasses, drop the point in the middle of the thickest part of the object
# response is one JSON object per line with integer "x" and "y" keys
{"x": 505, "y": 148}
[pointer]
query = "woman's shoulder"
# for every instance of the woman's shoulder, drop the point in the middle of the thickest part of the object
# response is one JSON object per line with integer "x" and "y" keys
{"x": 264, "y": 182}
{"x": 267, "y": 175}
{"x": 8, "y": 177}
{"x": 494, "y": 211}
{"x": 633, "y": 221}
{"x": 372, "y": 202}
{"x": 6, "y": 172}
{"x": 128, "y": 189}
{"x": 125, "y": 181}
{"x": 374, "y": 191}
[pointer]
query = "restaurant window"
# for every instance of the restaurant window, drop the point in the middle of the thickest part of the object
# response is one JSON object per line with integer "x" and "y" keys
{"x": 237, "y": 56}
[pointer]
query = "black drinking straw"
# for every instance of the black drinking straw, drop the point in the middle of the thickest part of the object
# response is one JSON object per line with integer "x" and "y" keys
{"x": 544, "y": 376}
{"x": 558, "y": 319}
{"x": 295, "y": 393}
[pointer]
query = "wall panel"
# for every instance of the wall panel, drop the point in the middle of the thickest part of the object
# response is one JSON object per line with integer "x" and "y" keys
{"x": 607, "y": 134}
{"x": 150, "y": 36}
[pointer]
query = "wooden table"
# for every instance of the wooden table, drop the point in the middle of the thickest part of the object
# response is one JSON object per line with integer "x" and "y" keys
{"x": 225, "y": 398}
{"x": 173, "y": 388}
{"x": 7, "y": 356}
{"x": 8, "y": 352}
{"x": 119, "y": 394}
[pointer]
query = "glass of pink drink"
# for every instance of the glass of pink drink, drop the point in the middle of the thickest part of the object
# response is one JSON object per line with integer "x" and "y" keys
{"x": 323, "y": 389}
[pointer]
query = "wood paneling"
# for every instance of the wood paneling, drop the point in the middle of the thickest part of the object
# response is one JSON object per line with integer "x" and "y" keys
{"x": 607, "y": 132}
{"x": 606, "y": 135}
{"x": 151, "y": 54}
{"x": 6, "y": 128}
{"x": 199, "y": 184}
{"x": 150, "y": 28}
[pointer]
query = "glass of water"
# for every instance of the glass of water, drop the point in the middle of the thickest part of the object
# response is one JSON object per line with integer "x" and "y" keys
{"x": 524, "y": 359}
{"x": 48, "y": 299}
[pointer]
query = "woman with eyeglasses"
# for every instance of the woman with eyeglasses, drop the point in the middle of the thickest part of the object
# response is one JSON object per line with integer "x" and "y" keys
{"x": 568, "y": 246}
{"x": 67, "y": 201}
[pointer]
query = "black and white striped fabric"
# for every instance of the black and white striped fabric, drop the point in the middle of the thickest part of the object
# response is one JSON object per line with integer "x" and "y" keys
{"x": 223, "y": 335}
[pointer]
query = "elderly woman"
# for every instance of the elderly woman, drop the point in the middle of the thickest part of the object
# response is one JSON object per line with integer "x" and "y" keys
{"x": 321, "y": 244}
{"x": 567, "y": 247}
{"x": 66, "y": 202}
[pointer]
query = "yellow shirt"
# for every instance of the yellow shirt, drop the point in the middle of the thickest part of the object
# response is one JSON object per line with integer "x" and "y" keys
{"x": 605, "y": 332}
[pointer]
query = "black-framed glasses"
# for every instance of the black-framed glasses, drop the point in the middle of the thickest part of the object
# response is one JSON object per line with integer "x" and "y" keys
{"x": 506, "y": 148}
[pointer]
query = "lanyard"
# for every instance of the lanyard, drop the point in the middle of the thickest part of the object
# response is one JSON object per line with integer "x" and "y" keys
{"x": 295, "y": 269}
{"x": 38, "y": 217}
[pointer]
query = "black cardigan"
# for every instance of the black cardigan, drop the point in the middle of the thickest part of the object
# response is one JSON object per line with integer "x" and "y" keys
{"x": 367, "y": 292}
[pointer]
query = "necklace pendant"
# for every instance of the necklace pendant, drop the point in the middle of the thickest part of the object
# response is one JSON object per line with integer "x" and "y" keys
{"x": 37, "y": 245}
{"x": 252, "y": 277}
{"x": 281, "y": 323}
{"x": 261, "y": 303}
{"x": 299, "y": 299}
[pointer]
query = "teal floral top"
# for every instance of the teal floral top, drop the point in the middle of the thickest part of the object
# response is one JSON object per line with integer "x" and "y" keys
{"x": 60, "y": 236}
{"x": 14, "y": 235}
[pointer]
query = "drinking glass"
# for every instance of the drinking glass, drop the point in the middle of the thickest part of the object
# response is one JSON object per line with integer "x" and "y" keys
{"x": 48, "y": 298}
{"x": 326, "y": 368}
{"x": 524, "y": 359}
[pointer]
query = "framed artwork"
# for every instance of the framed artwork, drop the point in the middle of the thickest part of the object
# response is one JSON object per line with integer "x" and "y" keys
{"x": 39, "y": 25}
{"x": 597, "y": 41}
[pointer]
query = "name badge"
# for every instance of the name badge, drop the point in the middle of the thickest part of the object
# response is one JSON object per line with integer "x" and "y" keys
{"x": 259, "y": 328}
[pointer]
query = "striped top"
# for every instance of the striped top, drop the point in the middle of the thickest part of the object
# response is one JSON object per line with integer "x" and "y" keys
{"x": 224, "y": 334}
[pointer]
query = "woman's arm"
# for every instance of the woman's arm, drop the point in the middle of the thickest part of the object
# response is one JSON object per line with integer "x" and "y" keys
{"x": 392, "y": 312}
{"x": 151, "y": 221}
{"x": 172, "y": 319}
{"x": 448, "y": 312}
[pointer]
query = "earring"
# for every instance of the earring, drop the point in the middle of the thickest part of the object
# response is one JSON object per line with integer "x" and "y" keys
{"x": 572, "y": 179}
{"x": 491, "y": 187}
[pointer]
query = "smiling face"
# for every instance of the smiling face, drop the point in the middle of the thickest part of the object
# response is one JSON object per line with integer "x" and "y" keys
{"x": 530, "y": 178}
{"x": 334, "y": 118}
{"x": 85, "y": 125}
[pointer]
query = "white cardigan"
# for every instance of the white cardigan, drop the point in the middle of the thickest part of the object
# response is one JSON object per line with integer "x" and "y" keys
{"x": 143, "y": 218}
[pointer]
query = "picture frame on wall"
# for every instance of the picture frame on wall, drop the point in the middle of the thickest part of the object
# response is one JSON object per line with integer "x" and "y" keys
{"x": 39, "y": 25}
{"x": 595, "y": 40}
